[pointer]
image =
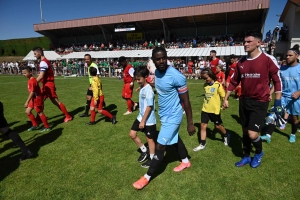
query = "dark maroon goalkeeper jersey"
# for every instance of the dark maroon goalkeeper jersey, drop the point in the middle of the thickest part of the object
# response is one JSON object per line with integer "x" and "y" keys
{"x": 255, "y": 75}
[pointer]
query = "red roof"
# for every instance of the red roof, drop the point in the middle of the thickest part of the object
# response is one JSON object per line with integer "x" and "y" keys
{"x": 192, "y": 14}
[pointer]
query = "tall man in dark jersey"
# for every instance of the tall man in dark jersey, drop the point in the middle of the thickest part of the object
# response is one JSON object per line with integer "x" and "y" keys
{"x": 254, "y": 71}
{"x": 46, "y": 76}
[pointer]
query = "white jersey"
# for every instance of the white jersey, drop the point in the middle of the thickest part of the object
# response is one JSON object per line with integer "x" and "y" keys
{"x": 202, "y": 64}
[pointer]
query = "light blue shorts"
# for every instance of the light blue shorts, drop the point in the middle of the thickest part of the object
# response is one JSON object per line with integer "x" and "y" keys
{"x": 168, "y": 134}
{"x": 292, "y": 106}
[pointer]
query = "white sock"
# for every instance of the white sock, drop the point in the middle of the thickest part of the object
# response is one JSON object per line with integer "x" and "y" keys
{"x": 147, "y": 177}
{"x": 293, "y": 134}
{"x": 143, "y": 148}
{"x": 269, "y": 135}
{"x": 186, "y": 160}
{"x": 151, "y": 156}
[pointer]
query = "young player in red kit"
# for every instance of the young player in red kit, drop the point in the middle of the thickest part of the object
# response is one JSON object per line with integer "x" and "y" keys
{"x": 232, "y": 66}
{"x": 190, "y": 68}
{"x": 254, "y": 72}
{"x": 128, "y": 84}
{"x": 34, "y": 101}
{"x": 46, "y": 76}
{"x": 220, "y": 75}
{"x": 214, "y": 61}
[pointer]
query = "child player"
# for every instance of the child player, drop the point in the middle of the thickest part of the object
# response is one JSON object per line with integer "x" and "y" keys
{"x": 146, "y": 120}
{"x": 34, "y": 101}
{"x": 211, "y": 107}
{"x": 98, "y": 99}
{"x": 220, "y": 75}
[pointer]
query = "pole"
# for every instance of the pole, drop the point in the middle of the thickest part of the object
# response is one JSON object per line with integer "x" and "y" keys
{"x": 41, "y": 11}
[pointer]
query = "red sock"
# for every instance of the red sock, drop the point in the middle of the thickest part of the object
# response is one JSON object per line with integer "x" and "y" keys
{"x": 107, "y": 114}
{"x": 129, "y": 105}
{"x": 64, "y": 110}
{"x": 44, "y": 120}
{"x": 32, "y": 119}
{"x": 93, "y": 115}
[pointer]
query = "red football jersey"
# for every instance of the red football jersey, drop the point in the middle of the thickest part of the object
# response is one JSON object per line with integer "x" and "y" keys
{"x": 231, "y": 69}
{"x": 213, "y": 64}
{"x": 33, "y": 86}
{"x": 220, "y": 77}
{"x": 254, "y": 76}
{"x": 126, "y": 76}
{"x": 45, "y": 66}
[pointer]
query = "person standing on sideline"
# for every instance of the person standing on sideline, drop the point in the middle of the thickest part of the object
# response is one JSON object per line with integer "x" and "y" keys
{"x": 254, "y": 71}
{"x": 14, "y": 136}
{"x": 172, "y": 91}
{"x": 89, "y": 93}
{"x": 128, "y": 71}
{"x": 46, "y": 76}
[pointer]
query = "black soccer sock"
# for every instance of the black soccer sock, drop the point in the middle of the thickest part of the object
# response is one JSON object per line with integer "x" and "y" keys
{"x": 87, "y": 106}
{"x": 294, "y": 128}
{"x": 180, "y": 148}
{"x": 257, "y": 143}
{"x": 203, "y": 142}
{"x": 14, "y": 136}
{"x": 156, "y": 161}
{"x": 246, "y": 144}
{"x": 271, "y": 128}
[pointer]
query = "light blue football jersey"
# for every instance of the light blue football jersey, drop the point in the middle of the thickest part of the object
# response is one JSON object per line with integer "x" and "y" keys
{"x": 169, "y": 85}
{"x": 147, "y": 98}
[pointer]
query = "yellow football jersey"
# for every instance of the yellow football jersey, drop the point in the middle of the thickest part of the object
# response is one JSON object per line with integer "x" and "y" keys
{"x": 212, "y": 99}
{"x": 96, "y": 87}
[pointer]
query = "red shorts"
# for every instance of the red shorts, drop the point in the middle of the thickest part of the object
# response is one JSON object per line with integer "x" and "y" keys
{"x": 49, "y": 90}
{"x": 127, "y": 91}
{"x": 99, "y": 102}
{"x": 36, "y": 104}
{"x": 190, "y": 71}
{"x": 151, "y": 78}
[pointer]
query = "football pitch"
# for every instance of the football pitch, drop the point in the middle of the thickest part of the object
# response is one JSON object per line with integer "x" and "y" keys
{"x": 75, "y": 161}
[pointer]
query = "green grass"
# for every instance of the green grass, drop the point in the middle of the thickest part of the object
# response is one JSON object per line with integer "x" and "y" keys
{"x": 75, "y": 161}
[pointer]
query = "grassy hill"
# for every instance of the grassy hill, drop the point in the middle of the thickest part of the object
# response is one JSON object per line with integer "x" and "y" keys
{"x": 20, "y": 47}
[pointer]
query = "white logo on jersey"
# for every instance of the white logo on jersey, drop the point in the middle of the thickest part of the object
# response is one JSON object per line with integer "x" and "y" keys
{"x": 242, "y": 66}
{"x": 250, "y": 75}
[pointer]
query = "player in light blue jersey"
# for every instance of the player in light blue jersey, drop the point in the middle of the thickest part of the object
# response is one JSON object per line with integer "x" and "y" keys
{"x": 172, "y": 90}
{"x": 290, "y": 76}
{"x": 146, "y": 120}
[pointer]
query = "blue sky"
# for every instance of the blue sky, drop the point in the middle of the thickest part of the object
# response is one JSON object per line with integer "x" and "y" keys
{"x": 18, "y": 16}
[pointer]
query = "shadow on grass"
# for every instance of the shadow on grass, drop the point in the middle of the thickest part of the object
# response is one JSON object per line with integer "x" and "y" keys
{"x": 235, "y": 140}
{"x": 277, "y": 130}
{"x": 10, "y": 162}
{"x": 237, "y": 118}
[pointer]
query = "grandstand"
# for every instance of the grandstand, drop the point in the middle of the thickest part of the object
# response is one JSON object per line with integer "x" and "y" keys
{"x": 209, "y": 25}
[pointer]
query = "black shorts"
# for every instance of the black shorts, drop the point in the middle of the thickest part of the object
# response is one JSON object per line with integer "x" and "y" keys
{"x": 3, "y": 122}
{"x": 150, "y": 131}
{"x": 216, "y": 119}
{"x": 252, "y": 113}
{"x": 89, "y": 92}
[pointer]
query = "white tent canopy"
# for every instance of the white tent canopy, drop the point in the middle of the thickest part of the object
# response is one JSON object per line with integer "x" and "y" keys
{"x": 221, "y": 51}
{"x": 50, "y": 55}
